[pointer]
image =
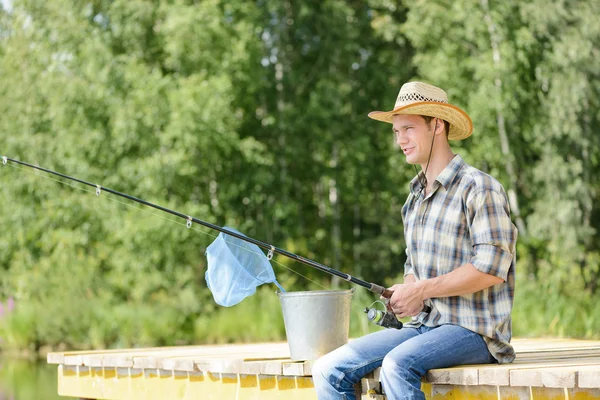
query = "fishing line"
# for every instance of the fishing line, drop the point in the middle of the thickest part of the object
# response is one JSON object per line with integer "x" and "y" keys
{"x": 378, "y": 289}
{"x": 151, "y": 212}
{"x": 223, "y": 262}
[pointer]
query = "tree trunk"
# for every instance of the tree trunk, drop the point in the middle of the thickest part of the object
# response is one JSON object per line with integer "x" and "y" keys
{"x": 336, "y": 235}
{"x": 504, "y": 141}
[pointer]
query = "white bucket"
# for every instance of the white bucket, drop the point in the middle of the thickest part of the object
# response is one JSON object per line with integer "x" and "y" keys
{"x": 316, "y": 322}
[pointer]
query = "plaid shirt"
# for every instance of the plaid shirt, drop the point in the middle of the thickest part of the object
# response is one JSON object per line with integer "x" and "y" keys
{"x": 465, "y": 219}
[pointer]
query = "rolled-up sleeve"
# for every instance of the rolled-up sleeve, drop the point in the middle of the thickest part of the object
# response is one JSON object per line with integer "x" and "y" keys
{"x": 493, "y": 234}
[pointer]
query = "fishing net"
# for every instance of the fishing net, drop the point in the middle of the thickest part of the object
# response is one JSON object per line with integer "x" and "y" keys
{"x": 236, "y": 268}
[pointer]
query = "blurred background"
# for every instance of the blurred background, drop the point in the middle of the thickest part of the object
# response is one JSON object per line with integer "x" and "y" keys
{"x": 252, "y": 114}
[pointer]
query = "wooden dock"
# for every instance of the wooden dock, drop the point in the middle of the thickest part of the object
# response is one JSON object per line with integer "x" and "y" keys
{"x": 544, "y": 369}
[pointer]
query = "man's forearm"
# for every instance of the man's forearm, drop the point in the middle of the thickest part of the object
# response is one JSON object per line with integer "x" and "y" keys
{"x": 463, "y": 280}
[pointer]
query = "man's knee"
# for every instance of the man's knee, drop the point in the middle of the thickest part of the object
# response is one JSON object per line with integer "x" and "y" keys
{"x": 403, "y": 364}
{"x": 320, "y": 369}
{"x": 326, "y": 370}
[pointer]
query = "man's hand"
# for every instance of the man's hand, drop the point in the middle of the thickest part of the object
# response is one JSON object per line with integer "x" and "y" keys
{"x": 407, "y": 299}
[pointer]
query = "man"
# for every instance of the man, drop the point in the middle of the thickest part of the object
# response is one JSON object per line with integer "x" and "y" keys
{"x": 460, "y": 268}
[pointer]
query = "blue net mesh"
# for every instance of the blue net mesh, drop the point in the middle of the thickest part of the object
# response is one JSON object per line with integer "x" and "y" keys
{"x": 235, "y": 269}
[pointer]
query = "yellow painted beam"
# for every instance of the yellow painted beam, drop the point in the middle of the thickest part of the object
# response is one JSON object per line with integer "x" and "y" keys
{"x": 443, "y": 392}
{"x": 154, "y": 384}
{"x": 446, "y": 392}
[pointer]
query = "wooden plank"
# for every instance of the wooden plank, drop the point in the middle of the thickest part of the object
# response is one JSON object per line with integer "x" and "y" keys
{"x": 154, "y": 359}
{"x": 179, "y": 364}
{"x": 369, "y": 385}
{"x": 225, "y": 365}
{"x": 198, "y": 363}
{"x": 279, "y": 350}
{"x": 125, "y": 359}
{"x": 560, "y": 377}
{"x": 530, "y": 349}
{"x": 254, "y": 348}
{"x": 464, "y": 375}
{"x": 589, "y": 378}
{"x": 251, "y": 367}
{"x": 234, "y": 364}
{"x": 58, "y": 357}
{"x": 274, "y": 367}
{"x": 377, "y": 374}
{"x": 308, "y": 365}
{"x": 111, "y": 360}
{"x": 558, "y": 360}
{"x": 293, "y": 368}
{"x": 534, "y": 377}
{"x": 556, "y": 377}
{"x": 268, "y": 365}
{"x": 533, "y": 344}
{"x": 231, "y": 364}
{"x": 544, "y": 355}
{"x": 72, "y": 360}
{"x": 494, "y": 374}
{"x": 184, "y": 360}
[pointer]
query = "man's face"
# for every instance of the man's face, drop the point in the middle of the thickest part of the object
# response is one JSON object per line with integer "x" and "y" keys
{"x": 414, "y": 136}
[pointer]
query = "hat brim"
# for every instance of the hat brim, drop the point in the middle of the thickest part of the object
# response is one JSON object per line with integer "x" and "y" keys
{"x": 461, "y": 126}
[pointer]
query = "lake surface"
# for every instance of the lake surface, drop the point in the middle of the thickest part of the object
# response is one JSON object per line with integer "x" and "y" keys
{"x": 26, "y": 380}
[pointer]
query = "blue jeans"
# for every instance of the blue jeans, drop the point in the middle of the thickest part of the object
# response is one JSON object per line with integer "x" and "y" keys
{"x": 404, "y": 356}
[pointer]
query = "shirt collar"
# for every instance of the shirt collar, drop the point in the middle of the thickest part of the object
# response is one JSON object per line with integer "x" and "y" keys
{"x": 445, "y": 177}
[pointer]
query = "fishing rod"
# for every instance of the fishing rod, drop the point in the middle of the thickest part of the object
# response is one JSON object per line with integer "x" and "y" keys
{"x": 380, "y": 290}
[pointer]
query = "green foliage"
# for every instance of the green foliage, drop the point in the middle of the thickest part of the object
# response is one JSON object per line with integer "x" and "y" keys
{"x": 530, "y": 64}
{"x": 542, "y": 310}
{"x": 253, "y": 115}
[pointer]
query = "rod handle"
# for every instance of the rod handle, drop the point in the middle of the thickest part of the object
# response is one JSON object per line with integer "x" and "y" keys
{"x": 380, "y": 290}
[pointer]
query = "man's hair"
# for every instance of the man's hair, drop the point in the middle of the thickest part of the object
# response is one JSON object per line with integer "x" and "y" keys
{"x": 446, "y": 123}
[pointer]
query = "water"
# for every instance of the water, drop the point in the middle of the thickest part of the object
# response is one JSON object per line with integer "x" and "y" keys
{"x": 26, "y": 380}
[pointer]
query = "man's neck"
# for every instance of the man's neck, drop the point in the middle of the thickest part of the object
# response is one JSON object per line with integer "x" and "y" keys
{"x": 436, "y": 165}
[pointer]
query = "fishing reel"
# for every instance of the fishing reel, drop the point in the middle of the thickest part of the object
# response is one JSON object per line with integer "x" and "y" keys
{"x": 384, "y": 318}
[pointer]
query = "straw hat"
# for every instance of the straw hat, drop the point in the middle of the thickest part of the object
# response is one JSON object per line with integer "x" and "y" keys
{"x": 418, "y": 98}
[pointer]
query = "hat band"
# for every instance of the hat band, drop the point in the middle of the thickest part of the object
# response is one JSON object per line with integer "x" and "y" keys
{"x": 416, "y": 97}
